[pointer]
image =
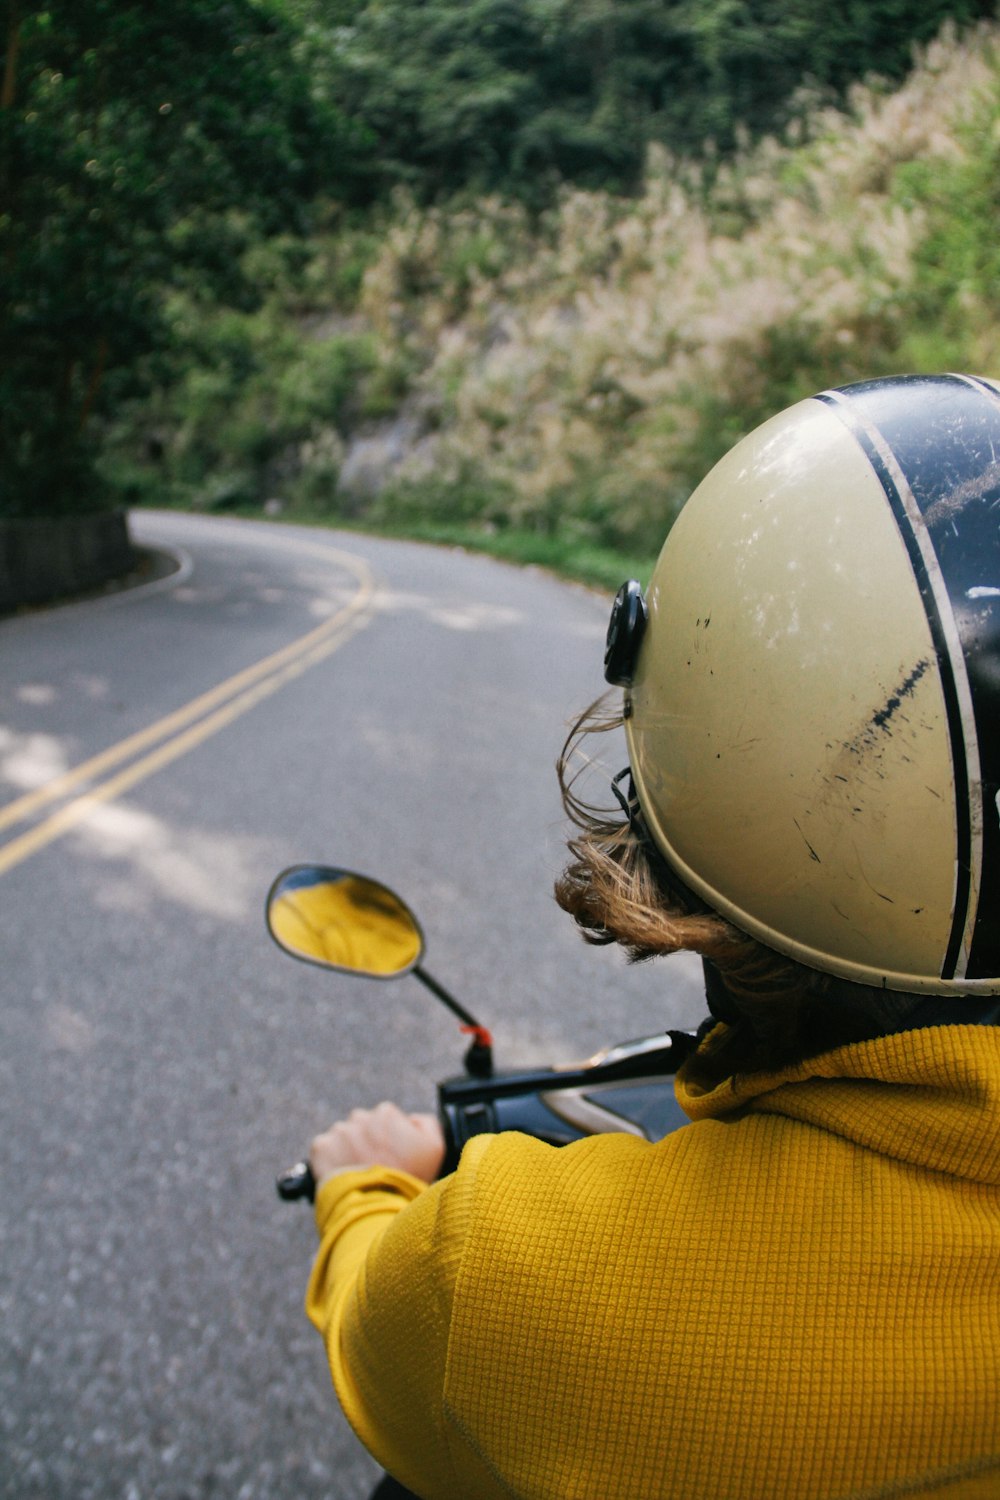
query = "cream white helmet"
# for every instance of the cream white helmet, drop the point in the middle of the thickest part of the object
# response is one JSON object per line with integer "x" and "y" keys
{"x": 813, "y": 685}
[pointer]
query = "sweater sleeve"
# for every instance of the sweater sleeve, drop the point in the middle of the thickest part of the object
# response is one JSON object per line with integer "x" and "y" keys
{"x": 381, "y": 1295}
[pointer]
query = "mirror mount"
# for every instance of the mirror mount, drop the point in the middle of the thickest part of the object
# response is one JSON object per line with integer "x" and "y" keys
{"x": 478, "y": 1059}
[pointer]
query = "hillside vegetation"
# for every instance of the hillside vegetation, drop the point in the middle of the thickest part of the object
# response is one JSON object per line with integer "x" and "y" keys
{"x": 518, "y": 96}
{"x": 570, "y": 377}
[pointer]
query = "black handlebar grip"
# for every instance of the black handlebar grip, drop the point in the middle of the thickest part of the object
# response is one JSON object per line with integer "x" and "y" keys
{"x": 297, "y": 1182}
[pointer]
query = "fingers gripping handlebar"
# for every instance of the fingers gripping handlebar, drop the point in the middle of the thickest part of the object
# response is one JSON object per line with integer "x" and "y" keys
{"x": 627, "y": 1088}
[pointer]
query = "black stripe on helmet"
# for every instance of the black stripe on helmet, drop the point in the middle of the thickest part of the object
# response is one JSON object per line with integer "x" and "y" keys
{"x": 934, "y": 442}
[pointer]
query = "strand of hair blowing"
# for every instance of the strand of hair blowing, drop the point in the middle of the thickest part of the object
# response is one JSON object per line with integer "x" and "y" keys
{"x": 616, "y": 884}
{"x": 618, "y": 889}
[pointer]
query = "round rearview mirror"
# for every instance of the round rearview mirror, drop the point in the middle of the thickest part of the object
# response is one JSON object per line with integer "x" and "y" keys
{"x": 343, "y": 920}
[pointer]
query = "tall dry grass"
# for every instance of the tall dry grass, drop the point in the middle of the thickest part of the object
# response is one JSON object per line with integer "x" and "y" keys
{"x": 581, "y": 373}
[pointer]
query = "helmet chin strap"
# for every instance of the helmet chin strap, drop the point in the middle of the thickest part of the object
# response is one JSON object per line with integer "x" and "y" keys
{"x": 720, "y": 1001}
{"x": 628, "y": 801}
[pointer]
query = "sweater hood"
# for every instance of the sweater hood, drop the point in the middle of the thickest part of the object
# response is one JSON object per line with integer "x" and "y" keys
{"x": 929, "y": 1098}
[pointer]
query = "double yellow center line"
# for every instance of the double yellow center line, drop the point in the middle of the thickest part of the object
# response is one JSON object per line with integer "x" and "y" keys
{"x": 180, "y": 731}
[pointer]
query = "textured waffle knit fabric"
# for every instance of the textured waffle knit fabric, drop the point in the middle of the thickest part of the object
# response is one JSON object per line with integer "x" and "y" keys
{"x": 796, "y": 1297}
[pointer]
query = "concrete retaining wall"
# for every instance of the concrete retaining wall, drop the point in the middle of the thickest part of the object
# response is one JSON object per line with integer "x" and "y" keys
{"x": 56, "y": 557}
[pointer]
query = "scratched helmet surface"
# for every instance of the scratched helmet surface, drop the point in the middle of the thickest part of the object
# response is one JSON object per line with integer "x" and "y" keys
{"x": 814, "y": 712}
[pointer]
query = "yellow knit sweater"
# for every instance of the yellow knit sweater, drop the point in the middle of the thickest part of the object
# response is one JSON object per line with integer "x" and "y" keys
{"x": 797, "y": 1297}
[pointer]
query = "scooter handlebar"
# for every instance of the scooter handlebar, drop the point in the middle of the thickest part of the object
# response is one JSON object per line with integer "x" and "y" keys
{"x": 297, "y": 1182}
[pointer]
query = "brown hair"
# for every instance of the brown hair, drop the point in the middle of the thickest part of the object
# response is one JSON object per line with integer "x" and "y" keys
{"x": 619, "y": 889}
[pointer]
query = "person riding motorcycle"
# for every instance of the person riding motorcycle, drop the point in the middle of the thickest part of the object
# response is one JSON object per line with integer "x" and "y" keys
{"x": 798, "y": 1294}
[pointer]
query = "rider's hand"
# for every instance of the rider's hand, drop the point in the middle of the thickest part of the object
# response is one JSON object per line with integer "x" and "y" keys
{"x": 379, "y": 1137}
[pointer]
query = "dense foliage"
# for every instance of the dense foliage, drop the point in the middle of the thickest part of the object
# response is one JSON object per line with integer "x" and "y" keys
{"x": 514, "y": 96}
{"x": 231, "y": 231}
{"x": 141, "y": 147}
{"x": 480, "y": 373}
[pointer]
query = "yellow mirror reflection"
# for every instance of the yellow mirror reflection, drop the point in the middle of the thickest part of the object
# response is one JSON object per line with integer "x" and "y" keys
{"x": 344, "y": 920}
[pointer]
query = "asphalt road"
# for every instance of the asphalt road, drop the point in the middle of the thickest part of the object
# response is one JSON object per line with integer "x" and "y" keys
{"x": 287, "y": 694}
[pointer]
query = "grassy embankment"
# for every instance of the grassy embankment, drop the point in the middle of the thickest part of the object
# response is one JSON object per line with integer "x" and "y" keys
{"x": 558, "y": 387}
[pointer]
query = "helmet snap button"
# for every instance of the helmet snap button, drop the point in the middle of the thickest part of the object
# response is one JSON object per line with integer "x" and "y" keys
{"x": 625, "y": 631}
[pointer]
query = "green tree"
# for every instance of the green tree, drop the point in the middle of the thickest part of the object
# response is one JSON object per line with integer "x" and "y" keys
{"x": 509, "y": 95}
{"x": 606, "y": 70}
{"x": 750, "y": 58}
{"x": 140, "y": 147}
{"x": 518, "y": 95}
{"x": 441, "y": 87}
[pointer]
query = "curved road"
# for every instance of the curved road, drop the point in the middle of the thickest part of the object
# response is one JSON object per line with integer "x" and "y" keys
{"x": 287, "y": 694}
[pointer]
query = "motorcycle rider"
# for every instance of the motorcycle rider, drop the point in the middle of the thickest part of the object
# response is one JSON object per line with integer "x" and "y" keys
{"x": 798, "y": 1295}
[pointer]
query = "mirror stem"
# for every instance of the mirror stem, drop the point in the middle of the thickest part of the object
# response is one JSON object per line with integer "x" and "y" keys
{"x": 443, "y": 995}
{"x": 479, "y": 1058}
